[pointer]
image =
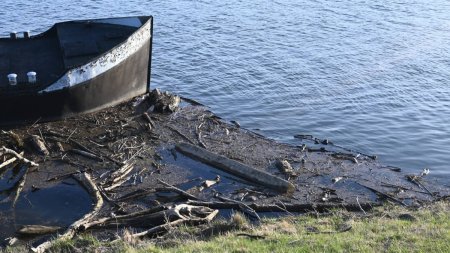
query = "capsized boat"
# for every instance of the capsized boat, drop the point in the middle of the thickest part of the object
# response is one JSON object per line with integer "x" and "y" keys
{"x": 74, "y": 67}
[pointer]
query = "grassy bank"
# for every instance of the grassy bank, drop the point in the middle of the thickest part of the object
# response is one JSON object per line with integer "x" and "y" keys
{"x": 385, "y": 229}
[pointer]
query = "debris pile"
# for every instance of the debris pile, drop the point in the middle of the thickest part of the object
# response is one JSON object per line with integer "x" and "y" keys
{"x": 150, "y": 164}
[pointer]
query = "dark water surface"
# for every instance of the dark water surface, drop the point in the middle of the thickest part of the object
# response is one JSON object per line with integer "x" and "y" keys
{"x": 369, "y": 75}
{"x": 59, "y": 205}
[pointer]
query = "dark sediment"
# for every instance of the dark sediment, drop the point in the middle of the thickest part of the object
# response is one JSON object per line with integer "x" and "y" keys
{"x": 130, "y": 154}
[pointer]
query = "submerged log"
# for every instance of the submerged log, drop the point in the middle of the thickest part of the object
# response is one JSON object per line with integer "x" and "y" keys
{"x": 236, "y": 168}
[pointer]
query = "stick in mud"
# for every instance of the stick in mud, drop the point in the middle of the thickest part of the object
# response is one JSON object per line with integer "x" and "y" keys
{"x": 20, "y": 187}
{"x": 6, "y": 151}
{"x": 242, "y": 206}
{"x": 178, "y": 190}
{"x": 8, "y": 162}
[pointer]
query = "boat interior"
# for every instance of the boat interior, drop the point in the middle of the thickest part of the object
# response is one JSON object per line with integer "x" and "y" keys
{"x": 64, "y": 46}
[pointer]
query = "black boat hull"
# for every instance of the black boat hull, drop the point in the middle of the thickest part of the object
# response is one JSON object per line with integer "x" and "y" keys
{"x": 122, "y": 81}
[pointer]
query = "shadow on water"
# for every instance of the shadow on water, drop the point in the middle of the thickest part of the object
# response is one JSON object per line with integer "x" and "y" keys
{"x": 58, "y": 205}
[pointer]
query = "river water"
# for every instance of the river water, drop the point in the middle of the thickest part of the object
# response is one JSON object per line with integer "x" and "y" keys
{"x": 368, "y": 75}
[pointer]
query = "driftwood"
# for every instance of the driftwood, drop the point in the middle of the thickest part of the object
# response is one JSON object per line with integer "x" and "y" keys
{"x": 20, "y": 186}
{"x": 178, "y": 190}
{"x": 7, "y": 151}
{"x": 16, "y": 138}
{"x": 342, "y": 229}
{"x": 146, "y": 218}
{"x": 186, "y": 214}
{"x": 87, "y": 182}
{"x": 120, "y": 176}
{"x": 295, "y": 208}
{"x": 236, "y": 168}
{"x": 416, "y": 180}
{"x": 37, "y": 230}
{"x": 192, "y": 101}
{"x": 163, "y": 101}
{"x": 159, "y": 218}
{"x": 151, "y": 125}
{"x": 209, "y": 183}
{"x": 86, "y": 154}
{"x": 39, "y": 145}
{"x": 242, "y": 206}
{"x": 136, "y": 194}
{"x": 60, "y": 177}
{"x": 284, "y": 167}
{"x": 180, "y": 134}
{"x": 383, "y": 194}
{"x": 253, "y": 237}
{"x": 9, "y": 161}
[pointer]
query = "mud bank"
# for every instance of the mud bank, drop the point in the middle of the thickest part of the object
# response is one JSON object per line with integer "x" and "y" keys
{"x": 129, "y": 158}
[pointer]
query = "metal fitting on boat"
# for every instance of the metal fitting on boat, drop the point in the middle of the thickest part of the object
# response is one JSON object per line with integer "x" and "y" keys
{"x": 31, "y": 77}
{"x": 12, "y": 79}
{"x": 26, "y": 34}
{"x": 13, "y": 35}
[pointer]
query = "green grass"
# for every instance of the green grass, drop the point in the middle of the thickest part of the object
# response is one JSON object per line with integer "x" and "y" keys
{"x": 381, "y": 231}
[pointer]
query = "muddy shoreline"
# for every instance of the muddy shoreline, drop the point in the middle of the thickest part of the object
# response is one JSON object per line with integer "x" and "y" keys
{"x": 130, "y": 154}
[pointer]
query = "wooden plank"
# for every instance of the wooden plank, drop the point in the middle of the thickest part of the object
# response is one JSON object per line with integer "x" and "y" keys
{"x": 236, "y": 168}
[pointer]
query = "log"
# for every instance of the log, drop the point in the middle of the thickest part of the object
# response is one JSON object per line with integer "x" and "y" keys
{"x": 236, "y": 168}
{"x": 37, "y": 230}
{"x": 154, "y": 217}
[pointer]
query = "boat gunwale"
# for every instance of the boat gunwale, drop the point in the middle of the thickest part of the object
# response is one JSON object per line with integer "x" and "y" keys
{"x": 40, "y": 90}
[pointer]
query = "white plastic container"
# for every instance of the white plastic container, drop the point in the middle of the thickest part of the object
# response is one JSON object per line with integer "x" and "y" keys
{"x": 12, "y": 79}
{"x": 31, "y": 77}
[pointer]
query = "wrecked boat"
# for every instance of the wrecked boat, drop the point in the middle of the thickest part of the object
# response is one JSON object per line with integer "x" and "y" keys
{"x": 74, "y": 67}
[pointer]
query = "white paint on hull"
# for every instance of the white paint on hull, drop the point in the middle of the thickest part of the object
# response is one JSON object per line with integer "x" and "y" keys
{"x": 106, "y": 62}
